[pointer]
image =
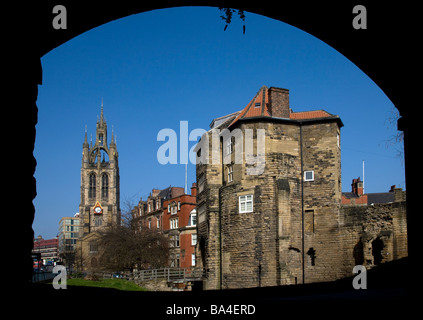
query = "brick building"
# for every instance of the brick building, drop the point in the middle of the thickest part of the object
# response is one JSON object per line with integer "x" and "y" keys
{"x": 149, "y": 212}
{"x": 172, "y": 212}
{"x": 48, "y": 249}
{"x": 358, "y": 197}
{"x": 269, "y": 199}
{"x": 179, "y": 224}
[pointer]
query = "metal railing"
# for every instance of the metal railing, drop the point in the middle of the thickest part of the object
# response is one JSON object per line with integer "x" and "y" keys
{"x": 171, "y": 274}
{"x": 41, "y": 276}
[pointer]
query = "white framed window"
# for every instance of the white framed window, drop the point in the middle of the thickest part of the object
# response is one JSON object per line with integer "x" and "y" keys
{"x": 157, "y": 204}
{"x": 174, "y": 241}
{"x": 193, "y": 218}
{"x": 179, "y": 205}
{"x": 193, "y": 239}
{"x": 158, "y": 222}
{"x": 173, "y": 209}
{"x": 230, "y": 173}
{"x": 174, "y": 223}
{"x": 193, "y": 259}
{"x": 309, "y": 175}
{"x": 246, "y": 203}
{"x": 229, "y": 145}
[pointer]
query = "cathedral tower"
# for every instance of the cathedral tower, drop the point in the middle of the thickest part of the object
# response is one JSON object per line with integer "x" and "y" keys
{"x": 100, "y": 191}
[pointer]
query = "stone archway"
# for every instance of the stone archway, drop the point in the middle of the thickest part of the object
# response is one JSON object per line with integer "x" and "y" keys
{"x": 32, "y": 35}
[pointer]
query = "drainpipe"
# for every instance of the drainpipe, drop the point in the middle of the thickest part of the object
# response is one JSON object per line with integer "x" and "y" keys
{"x": 220, "y": 218}
{"x": 302, "y": 199}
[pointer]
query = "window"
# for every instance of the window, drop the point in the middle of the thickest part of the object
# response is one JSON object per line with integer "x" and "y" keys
{"x": 193, "y": 259}
{"x": 230, "y": 173}
{"x": 192, "y": 218}
{"x": 157, "y": 204}
{"x": 173, "y": 209}
{"x": 93, "y": 247}
{"x": 174, "y": 241}
{"x": 91, "y": 186}
{"x": 229, "y": 145}
{"x": 104, "y": 186}
{"x": 158, "y": 222}
{"x": 257, "y": 105}
{"x": 201, "y": 184}
{"x": 174, "y": 223}
{"x": 101, "y": 139}
{"x": 246, "y": 203}
{"x": 193, "y": 239}
{"x": 98, "y": 221}
{"x": 202, "y": 213}
{"x": 309, "y": 175}
{"x": 179, "y": 205}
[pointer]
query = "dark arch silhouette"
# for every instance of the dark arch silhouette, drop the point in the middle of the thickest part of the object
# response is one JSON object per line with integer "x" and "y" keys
{"x": 385, "y": 51}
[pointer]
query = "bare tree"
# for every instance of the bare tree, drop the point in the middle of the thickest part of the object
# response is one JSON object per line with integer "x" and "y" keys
{"x": 124, "y": 247}
{"x": 396, "y": 140}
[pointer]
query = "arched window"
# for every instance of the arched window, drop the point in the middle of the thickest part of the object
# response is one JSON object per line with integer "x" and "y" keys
{"x": 104, "y": 186}
{"x": 91, "y": 186}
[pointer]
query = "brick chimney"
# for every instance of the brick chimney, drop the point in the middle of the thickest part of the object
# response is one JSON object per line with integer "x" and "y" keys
{"x": 194, "y": 189}
{"x": 278, "y": 102}
{"x": 357, "y": 186}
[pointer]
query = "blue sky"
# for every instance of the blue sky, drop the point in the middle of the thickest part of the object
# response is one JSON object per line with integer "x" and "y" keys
{"x": 155, "y": 69}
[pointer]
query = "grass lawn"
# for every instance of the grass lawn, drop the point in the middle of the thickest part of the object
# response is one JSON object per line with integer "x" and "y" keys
{"x": 119, "y": 284}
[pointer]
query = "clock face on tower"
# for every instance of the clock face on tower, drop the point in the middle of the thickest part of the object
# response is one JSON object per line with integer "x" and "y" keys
{"x": 97, "y": 208}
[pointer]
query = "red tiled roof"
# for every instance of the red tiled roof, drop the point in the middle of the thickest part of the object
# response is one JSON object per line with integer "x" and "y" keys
{"x": 259, "y": 107}
{"x": 309, "y": 115}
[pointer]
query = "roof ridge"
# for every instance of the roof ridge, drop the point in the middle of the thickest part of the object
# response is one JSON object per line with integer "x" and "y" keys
{"x": 310, "y": 111}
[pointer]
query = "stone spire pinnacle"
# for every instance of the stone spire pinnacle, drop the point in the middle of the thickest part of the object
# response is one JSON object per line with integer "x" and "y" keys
{"x": 101, "y": 115}
{"x": 85, "y": 139}
{"x": 113, "y": 139}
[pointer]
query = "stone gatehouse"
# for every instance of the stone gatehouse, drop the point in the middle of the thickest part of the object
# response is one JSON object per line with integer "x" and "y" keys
{"x": 269, "y": 208}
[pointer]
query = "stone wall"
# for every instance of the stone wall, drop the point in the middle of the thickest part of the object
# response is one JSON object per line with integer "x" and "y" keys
{"x": 297, "y": 231}
{"x": 373, "y": 234}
